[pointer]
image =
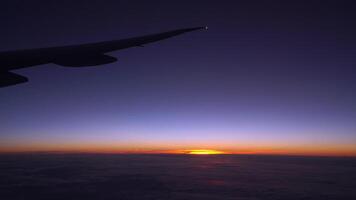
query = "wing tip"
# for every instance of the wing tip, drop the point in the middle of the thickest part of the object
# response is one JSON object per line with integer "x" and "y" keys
{"x": 195, "y": 28}
{"x": 201, "y": 28}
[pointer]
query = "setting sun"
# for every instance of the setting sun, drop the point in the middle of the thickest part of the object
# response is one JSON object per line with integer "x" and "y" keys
{"x": 204, "y": 152}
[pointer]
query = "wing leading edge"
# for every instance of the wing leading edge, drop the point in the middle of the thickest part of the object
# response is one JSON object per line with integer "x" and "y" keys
{"x": 73, "y": 56}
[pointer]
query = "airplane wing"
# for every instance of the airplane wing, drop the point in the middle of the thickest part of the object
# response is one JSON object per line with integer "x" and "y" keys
{"x": 73, "y": 56}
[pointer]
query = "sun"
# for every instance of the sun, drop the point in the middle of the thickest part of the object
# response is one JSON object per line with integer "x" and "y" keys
{"x": 204, "y": 152}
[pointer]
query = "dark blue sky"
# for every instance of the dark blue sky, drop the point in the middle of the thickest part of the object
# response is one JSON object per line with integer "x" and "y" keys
{"x": 265, "y": 72}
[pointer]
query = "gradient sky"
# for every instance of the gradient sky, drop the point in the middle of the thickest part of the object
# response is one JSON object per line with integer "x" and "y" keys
{"x": 268, "y": 76}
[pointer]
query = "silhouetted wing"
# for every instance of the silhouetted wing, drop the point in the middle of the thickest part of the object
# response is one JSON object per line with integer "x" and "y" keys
{"x": 8, "y": 78}
{"x": 72, "y": 56}
{"x": 79, "y": 55}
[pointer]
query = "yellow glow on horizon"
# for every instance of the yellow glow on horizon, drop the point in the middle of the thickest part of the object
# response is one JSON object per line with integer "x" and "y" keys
{"x": 204, "y": 152}
{"x": 183, "y": 147}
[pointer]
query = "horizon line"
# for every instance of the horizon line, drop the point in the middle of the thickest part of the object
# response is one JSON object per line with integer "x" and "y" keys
{"x": 170, "y": 153}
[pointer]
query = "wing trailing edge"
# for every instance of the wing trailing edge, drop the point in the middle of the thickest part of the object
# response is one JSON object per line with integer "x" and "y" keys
{"x": 9, "y": 78}
{"x": 85, "y": 60}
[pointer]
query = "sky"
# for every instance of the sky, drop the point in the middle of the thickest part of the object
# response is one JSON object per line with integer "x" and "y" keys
{"x": 267, "y": 77}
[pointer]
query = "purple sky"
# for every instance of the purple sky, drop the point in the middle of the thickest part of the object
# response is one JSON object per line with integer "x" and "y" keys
{"x": 265, "y": 71}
